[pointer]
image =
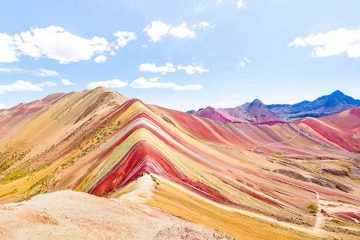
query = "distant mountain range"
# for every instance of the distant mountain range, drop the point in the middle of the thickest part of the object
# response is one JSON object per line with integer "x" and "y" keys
{"x": 256, "y": 112}
{"x": 326, "y": 105}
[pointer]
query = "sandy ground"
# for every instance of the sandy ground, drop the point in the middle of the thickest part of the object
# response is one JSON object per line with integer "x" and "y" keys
{"x": 76, "y": 215}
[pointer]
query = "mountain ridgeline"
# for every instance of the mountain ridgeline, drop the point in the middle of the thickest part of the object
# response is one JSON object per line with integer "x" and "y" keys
{"x": 258, "y": 113}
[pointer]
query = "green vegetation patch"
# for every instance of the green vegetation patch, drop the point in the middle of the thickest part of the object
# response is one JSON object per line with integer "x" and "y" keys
{"x": 312, "y": 208}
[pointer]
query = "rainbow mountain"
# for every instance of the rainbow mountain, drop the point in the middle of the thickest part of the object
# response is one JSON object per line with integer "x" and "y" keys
{"x": 288, "y": 180}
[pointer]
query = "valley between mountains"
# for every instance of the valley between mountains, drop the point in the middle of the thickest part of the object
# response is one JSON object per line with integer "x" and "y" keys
{"x": 176, "y": 175}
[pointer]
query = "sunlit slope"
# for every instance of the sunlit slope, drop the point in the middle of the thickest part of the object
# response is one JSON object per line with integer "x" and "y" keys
{"x": 17, "y": 117}
{"x": 275, "y": 177}
{"x": 52, "y": 137}
{"x": 342, "y": 130}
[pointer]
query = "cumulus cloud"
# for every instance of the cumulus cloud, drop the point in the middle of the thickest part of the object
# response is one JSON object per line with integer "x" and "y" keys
{"x": 7, "y": 49}
{"x": 24, "y": 86}
{"x": 100, "y": 59}
{"x": 182, "y": 31}
{"x": 41, "y": 72}
{"x": 56, "y": 43}
{"x": 123, "y": 38}
{"x": 336, "y": 42}
{"x": 114, "y": 83}
{"x": 67, "y": 82}
{"x": 155, "y": 83}
{"x": 170, "y": 67}
{"x": 157, "y": 30}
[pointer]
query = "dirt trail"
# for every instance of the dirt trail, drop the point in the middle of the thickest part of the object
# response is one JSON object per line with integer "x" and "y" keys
{"x": 142, "y": 192}
{"x": 308, "y": 230}
{"x": 281, "y": 142}
{"x": 320, "y": 217}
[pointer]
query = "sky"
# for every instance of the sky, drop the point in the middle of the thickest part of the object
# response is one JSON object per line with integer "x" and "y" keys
{"x": 181, "y": 54}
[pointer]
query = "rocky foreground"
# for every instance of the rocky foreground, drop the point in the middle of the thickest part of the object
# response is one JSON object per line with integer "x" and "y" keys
{"x": 76, "y": 215}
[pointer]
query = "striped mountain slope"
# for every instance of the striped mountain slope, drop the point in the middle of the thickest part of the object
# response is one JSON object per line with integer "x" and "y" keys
{"x": 236, "y": 178}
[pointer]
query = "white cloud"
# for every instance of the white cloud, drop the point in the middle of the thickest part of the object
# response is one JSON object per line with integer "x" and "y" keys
{"x": 240, "y": 4}
{"x": 123, "y": 38}
{"x": 46, "y": 84}
{"x": 156, "y": 30}
{"x": 114, "y": 83}
{"x": 244, "y": 62}
{"x": 182, "y": 31}
{"x": 336, "y": 42}
{"x": 151, "y": 67}
{"x": 7, "y": 49}
{"x": 202, "y": 25}
{"x": 100, "y": 59}
{"x": 11, "y": 70}
{"x": 56, "y": 43}
{"x": 170, "y": 67}
{"x": 155, "y": 83}
{"x": 144, "y": 83}
{"x": 23, "y": 86}
{"x": 2, "y": 106}
{"x": 192, "y": 69}
{"x": 67, "y": 82}
{"x": 41, "y": 72}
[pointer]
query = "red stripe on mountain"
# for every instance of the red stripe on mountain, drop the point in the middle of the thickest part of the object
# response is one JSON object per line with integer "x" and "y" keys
{"x": 158, "y": 135}
{"x": 154, "y": 132}
{"x": 144, "y": 158}
{"x": 251, "y": 193}
{"x": 197, "y": 129}
{"x": 349, "y": 216}
{"x": 328, "y": 133}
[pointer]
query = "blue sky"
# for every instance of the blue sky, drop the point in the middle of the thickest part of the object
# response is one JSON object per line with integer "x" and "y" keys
{"x": 181, "y": 54}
